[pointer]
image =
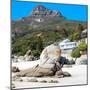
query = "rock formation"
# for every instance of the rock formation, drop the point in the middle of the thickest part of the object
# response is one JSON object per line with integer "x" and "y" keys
{"x": 15, "y": 69}
{"x": 49, "y": 64}
{"x": 50, "y": 55}
{"x": 43, "y": 11}
{"x": 28, "y": 56}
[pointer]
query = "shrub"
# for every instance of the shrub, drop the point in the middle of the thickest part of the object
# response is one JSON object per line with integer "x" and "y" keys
{"x": 75, "y": 53}
{"x": 36, "y": 53}
{"x": 23, "y": 44}
{"x": 71, "y": 38}
{"x": 82, "y": 46}
{"x": 39, "y": 45}
{"x": 74, "y": 36}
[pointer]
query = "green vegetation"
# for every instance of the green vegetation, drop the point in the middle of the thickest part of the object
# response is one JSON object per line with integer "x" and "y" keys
{"x": 82, "y": 46}
{"x": 80, "y": 28}
{"x": 27, "y": 37}
{"x": 76, "y": 53}
{"x": 75, "y": 36}
{"x": 36, "y": 53}
{"x": 34, "y": 42}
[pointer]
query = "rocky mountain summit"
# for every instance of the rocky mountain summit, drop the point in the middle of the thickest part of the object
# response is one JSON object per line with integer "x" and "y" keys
{"x": 40, "y": 16}
{"x": 43, "y": 11}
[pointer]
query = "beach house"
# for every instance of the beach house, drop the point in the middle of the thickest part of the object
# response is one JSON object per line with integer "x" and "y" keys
{"x": 67, "y": 45}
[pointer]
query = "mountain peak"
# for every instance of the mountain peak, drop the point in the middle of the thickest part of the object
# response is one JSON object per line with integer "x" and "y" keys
{"x": 39, "y": 7}
{"x": 41, "y": 10}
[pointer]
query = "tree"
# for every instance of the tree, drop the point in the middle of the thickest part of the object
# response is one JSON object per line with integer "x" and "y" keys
{"x": 82, "y": 46}
{"x": 75, "y": 53}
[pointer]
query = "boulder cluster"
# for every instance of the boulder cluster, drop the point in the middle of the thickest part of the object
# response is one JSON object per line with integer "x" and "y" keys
{"x": 49, "y": 64}
{"x": 27, "y": 57}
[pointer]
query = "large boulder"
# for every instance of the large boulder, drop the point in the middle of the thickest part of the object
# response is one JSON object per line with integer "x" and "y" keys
{"x": 42, "y": 72}
{"x": 36, "y": 72}
{"x": 48, "y": 66}
{"x": 50, "y": 55}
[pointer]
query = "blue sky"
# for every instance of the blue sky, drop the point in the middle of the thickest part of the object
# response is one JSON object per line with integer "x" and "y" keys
{"x": 72, "y": 12}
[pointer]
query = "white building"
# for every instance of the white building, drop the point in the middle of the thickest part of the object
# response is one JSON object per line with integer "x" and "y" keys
{"x": 67, "y": 45}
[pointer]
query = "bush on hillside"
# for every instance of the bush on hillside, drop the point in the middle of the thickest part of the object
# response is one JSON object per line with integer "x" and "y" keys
{"x": 36, "y": 53}
{"x": 74, "y": 36}
{"x": 75, "y": 53}
{"x": 82, "y": 46}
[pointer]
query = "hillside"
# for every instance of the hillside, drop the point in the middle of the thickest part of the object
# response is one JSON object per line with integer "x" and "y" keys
{"x": 49, "y": 25}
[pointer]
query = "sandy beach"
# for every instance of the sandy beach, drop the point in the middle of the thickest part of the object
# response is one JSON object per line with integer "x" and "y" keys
{"x": 78, "y": 72}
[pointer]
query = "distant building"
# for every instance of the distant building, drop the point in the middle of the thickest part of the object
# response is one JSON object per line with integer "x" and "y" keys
{"x": 67, "y": 45}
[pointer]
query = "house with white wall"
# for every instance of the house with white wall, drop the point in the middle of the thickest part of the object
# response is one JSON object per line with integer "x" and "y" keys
{"x": 67, "y": 45}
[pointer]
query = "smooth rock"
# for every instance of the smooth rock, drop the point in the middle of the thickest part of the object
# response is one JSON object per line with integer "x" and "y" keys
{"x": 82, "y": 60}
{"x": 50, "y": 55}
{"x": 15, "y": 69}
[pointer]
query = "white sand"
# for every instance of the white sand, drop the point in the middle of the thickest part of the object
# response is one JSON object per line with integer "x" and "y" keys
{"x": 25, "y": 65}
{"x": 78, "y": 72}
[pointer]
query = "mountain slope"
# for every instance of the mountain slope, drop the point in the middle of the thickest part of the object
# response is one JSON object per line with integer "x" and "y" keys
{"x": 41, "y": 16}
{"x": 50, "y": 25}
